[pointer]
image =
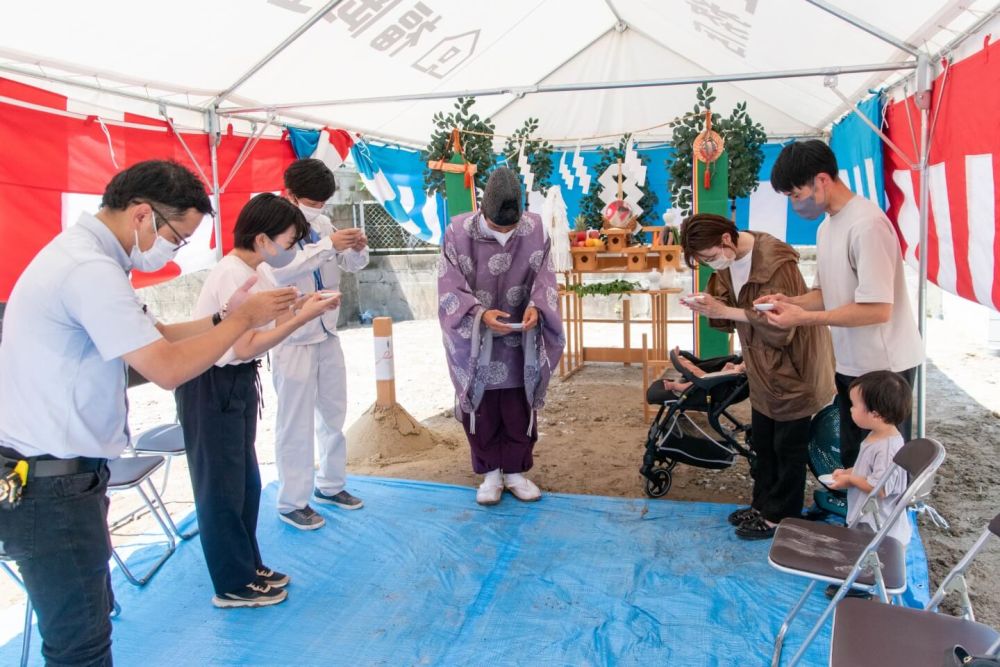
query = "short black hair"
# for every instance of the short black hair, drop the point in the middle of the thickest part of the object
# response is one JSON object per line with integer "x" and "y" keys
{"x": 172, "y": 187}
{"x": 800, "y": 162}
{"x": 886, "y": 393}
{"x": 311, "y": 179}
{"x": 269, "y": 214}
{"x": 702, "y": 231}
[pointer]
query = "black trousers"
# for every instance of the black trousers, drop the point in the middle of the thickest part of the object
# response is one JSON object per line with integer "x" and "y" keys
{"x": 218, "y": 413}
{"x": 779, "y": 479}
{"x": 851, "y": 436}
{"x": 58, "y": 536}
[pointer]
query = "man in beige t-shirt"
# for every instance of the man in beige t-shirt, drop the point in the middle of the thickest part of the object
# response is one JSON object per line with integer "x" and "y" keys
{"x": 859, "y": 291}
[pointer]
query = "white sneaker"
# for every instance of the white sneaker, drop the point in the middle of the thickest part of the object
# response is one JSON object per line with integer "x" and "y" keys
{"x": 522, "y": 487}
{"x": 491, "y": 489}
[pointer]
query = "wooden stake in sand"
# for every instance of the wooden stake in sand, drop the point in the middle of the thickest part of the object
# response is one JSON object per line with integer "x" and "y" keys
{"x": 386, "y": 430}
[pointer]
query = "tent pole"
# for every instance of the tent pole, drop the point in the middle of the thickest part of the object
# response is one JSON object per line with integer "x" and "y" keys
{"x": 575, "y": 87}
{"x": 865, "y": 26}
{"x": 323, "y": 11}
{"x": 214, "y": 135}
{"x": 923, "y": 100}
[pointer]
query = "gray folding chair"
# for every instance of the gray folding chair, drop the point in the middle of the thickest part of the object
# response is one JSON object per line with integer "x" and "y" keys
{"x": 849, "y": 555}
{"x": 165, "y": 440}
{"x": 866, "y": 633}
{"x": 133, "y": 472}
{"x": 26, "y": 637}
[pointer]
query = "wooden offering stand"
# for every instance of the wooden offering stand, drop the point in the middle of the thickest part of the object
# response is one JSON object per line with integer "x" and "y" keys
{"x": 614, "y": 255}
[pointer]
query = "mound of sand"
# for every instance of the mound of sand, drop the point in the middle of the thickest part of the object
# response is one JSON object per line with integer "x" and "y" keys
{"x": 387, "y": 433}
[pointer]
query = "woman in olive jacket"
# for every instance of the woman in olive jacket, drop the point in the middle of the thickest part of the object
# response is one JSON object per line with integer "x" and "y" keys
{"x": 790, "y": 371}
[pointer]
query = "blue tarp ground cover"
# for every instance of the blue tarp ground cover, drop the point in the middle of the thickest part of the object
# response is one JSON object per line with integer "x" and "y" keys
{"x": 424, "y": 576}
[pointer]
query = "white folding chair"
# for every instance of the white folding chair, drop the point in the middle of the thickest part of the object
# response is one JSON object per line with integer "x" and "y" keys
{"x": 848, "y": 555}
{"x": 866, "y": 633}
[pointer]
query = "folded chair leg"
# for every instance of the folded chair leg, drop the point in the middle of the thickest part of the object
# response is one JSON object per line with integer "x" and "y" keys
{"x": 166, "y": 515}
{"x": 780, "y": 639}
{"x": 166, "y": 475}
{"x": 841, "y": 594}
{"x": 171, "y": 545}
{"x": 876, "y": 566}
{"x": 26, "y": 639}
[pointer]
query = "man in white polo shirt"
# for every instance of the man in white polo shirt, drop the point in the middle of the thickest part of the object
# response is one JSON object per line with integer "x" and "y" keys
{"x": 71, "y": 326}
{"x": 860, "y": 289}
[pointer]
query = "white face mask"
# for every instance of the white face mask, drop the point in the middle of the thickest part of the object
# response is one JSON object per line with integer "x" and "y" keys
{"x": 156, "y": 257}
{"x": 721, "y": 262}
{"x": 276, "y": 256}
{"x": 310, "y": 213}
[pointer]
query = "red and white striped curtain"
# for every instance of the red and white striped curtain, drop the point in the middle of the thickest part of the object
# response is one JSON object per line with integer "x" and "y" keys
{"x": 963, "y": 246}
{"x": 53, "y": 162}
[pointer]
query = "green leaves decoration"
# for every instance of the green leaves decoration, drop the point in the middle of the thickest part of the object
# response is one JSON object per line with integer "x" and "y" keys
{"x": 539, "y": 152}
{"x": 478, "y": 148}
{"x": 604, "y": 289}
{"x": 743, "y": 138}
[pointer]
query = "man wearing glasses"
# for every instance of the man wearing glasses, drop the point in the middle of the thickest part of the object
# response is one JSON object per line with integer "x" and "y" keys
{"x": 72, "y": 325}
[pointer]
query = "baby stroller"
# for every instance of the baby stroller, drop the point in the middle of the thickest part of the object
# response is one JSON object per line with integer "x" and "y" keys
{"x": 674, "y": 437}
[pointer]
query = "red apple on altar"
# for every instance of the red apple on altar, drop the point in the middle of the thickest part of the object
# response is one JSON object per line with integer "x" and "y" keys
{"x": 581, "y": 236}
{"x": 594, "y": 234}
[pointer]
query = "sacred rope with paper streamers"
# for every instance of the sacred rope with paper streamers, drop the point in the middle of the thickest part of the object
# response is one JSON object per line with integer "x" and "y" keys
{"x": 524, "y": 167}
{"x": 564, "y": 171}
{"x": 581, "y": 170}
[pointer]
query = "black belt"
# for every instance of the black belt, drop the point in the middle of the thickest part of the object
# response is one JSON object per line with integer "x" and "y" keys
{"x": 50, "y": 466}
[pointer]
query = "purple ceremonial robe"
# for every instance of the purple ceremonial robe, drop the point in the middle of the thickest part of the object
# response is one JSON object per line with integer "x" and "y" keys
{"x": 475, "y": 274}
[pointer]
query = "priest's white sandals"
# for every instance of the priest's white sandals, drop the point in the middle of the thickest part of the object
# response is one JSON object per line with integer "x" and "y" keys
{"x": 491, "y": 489}
{"x": 521, "y": 487}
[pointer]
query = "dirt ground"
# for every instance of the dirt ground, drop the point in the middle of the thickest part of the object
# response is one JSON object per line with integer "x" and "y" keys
{"x": 592, "y": 436}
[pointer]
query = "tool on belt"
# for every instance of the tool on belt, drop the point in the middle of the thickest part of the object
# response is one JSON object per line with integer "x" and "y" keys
{"x": 12, "y": 481}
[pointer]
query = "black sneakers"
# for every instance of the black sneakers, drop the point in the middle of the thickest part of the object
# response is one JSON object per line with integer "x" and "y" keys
{"x": 755, "y": 528}
{"x": 272, "y": 578}
{"x": 742, "y": 515}
{"x": 256, "y": 594}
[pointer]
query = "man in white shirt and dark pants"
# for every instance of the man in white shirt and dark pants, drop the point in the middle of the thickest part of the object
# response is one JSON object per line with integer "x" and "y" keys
{"x": 71, "y": 326}
{"x": 860, "y": 290}
{"x": 308, "y": 367}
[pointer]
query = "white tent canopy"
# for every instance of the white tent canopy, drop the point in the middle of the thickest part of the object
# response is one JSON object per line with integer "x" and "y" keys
{"x": 187, "y": 52}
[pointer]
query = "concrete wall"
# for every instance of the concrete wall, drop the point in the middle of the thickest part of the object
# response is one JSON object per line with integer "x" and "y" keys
{"x": 404, "y": 287}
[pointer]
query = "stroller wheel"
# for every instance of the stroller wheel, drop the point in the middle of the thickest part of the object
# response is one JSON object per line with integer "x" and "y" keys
{"x": 659, "y": 481}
